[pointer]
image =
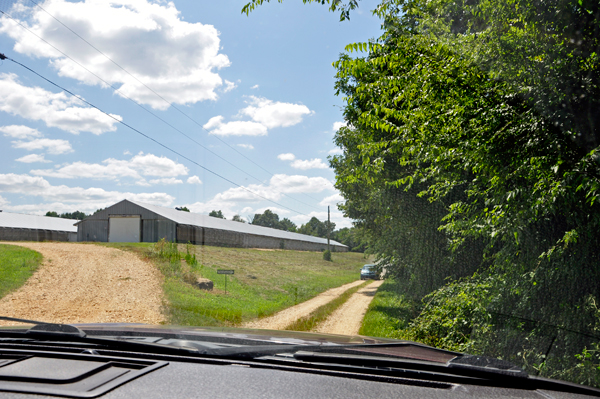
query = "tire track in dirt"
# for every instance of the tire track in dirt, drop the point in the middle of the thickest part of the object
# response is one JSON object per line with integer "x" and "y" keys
{"x": 281, "y": 320}
{"x": 347, "y": 319}
{"x": 84, "y": 283}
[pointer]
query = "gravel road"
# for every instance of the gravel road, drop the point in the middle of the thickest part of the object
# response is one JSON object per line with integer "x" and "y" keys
{"x": 281, "y": 320}
{"x": 83, "y": 283}
{"x": 347, "y": 318}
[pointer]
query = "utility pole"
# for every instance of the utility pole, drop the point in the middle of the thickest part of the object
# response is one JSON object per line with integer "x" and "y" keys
{"x": 328, "y": 227}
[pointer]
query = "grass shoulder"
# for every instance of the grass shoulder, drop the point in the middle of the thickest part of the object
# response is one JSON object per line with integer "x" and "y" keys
{"x": 391, "y": 311}
{"x": 17, "y": 264}
{"x": 265, "y": 281}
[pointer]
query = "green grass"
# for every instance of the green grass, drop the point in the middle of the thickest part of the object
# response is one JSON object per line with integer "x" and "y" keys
{"x": 319, "y": 315}
{"x": 17, "y": 264}
{"x": 265, "y": 281}
{"x": 390, "y": 312}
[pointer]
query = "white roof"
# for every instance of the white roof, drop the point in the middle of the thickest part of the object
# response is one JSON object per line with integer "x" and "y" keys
{"x": 22, "y": 221}
{"x": 196, "y": 219}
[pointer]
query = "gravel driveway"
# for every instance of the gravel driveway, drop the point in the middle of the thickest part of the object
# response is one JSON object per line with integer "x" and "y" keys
{"x": 84, "y": 283}
{"x": 347, "y": 319}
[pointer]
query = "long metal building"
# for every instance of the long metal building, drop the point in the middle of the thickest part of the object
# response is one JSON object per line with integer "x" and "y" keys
{"x": 21, "y": 227}
{"x": 129, "y": 221}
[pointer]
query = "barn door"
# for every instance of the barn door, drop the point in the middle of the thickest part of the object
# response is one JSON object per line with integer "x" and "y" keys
{"x": 124, "y": 228}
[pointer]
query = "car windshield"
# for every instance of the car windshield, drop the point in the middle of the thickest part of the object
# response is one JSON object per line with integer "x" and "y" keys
{"x": 264, "y": 165}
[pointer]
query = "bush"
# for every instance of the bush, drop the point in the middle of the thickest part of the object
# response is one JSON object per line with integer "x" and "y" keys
{"x": 327, "y": 255}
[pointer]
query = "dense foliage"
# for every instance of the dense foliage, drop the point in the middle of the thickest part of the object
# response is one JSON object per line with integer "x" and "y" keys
{"x": 471, "y": 146}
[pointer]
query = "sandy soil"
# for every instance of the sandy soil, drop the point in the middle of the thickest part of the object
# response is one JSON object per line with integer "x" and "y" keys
{"x": 347, "y": 318}
{"x": 281, "y": 320}
{"x": 80, "y": 283}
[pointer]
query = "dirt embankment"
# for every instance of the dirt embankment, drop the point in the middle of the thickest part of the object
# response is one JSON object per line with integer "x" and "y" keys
{"x": 282, "y": 319}
{"x": 347, "y": 319}
{"x": 82, "y": 283}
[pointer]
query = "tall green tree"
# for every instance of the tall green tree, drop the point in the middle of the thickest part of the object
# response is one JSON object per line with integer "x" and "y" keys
{"x": 216, "y": 214}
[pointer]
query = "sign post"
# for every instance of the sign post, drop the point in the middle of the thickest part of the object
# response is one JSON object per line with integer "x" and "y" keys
{"x": 225, "y": 272}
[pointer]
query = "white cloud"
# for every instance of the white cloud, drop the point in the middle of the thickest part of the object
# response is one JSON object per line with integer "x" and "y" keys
{"x": 336, "y": 217}
{"x": 31, "y": 158}
{"x": 246, "y": 146}
{"x": 53, "y": 146}
{"x": 229, "y": 86}
{"x": 337, "y": 126}
{"x": 286, "y": 157}
{"x": 166, "y": 180}
{"x": 332, "y": 200}
{"x": 4, "y": 201}
{"x": 126, "y": 152}
{"x": 194, "y": 180}
{"x": 55, "y": 109}
{"x": 20, "y": 132}
{"x": 230, "y": 201}
{"x": 235, "y": 128}
{"x": 92, "y": 197}
{"x": 265, "y": 114}
{"x": 336, "y": 151}
{"x": 149, "y": 39}
{"x": 254, "y": 87}
{"x": 314, "y": 163}
{"x": 138, "y": 166}
{"x": 274, "y": 113}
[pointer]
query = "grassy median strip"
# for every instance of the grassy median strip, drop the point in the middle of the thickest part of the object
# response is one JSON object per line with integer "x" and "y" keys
{"x": 390, "y": 312}
{"x": 265, "y": 281}
{"x": 17, "y": 264}
{"x": 321, "y": 314}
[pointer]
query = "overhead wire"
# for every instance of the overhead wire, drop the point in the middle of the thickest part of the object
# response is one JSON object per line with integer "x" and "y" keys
{"x": 140, "y": 105}
{"x": 171, "y": 105}
{"x": 4, "y": 57}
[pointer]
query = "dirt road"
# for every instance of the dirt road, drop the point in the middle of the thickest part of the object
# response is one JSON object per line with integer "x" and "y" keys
{"x": 281, "y": 320}
{"x": 79, "y": 283}
{"x": 347, "y": 318}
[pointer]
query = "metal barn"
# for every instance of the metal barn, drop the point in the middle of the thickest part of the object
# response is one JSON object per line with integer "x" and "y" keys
{"x": 129, "y": 221}
{"x": 21, "y": 227}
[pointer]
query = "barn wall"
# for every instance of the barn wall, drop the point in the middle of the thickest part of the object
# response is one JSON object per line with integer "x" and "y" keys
{"x": 93, "y": 230}
{"x": 154, "y": 227}
{"x": 225, "y": 238}
{"x": 12, "y": 234}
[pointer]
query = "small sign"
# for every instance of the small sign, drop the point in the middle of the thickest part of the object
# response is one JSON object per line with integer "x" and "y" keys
{"x": 221, "y": 271}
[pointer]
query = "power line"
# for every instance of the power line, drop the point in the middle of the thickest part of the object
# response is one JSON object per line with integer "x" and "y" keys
{"x": 166, "y": 101}
{"x": 144, "y": 108}
{"x": 4, "y": 57}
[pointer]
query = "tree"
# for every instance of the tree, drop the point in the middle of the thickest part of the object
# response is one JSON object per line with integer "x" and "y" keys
{"x": 238, "y": 218}
{"x": 287, "y": 224}
{"x": 216, "y": 214}
{"x": 314, "y": 227}
{"x": 183, "y": 209}
{"x": 267, "y": 219}
{"x": 352, "y": 237}
{"x": 74, "y": 215}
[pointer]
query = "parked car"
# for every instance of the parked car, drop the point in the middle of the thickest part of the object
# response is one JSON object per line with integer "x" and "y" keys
{"x": 369, "y": 272}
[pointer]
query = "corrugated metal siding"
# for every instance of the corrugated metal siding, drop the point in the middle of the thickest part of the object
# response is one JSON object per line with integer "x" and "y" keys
{"x": 93, "y": 230}
{"x": 11, "y": 234}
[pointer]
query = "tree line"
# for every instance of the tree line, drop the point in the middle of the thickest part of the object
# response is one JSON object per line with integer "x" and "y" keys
{"x": 350, "y": 237}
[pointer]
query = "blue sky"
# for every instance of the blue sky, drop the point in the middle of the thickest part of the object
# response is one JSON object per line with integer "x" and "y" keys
{"x": 257, "y": 94}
